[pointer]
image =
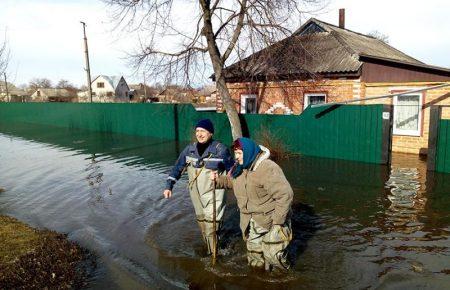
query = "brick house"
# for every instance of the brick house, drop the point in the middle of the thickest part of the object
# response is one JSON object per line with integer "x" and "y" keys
{"x": 322, "y": 63}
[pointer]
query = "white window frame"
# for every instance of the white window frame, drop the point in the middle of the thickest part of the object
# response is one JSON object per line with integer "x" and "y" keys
{"x": 244, "y": 102}
{"x": 417, "y": 132}
{"x": 308, "y": 95}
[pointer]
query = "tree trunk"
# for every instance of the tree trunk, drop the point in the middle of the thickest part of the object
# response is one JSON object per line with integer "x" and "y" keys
{"x": 230, "y": 108}
{"x": 218, "y": 67}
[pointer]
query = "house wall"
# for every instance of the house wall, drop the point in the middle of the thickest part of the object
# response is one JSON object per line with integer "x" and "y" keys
{"x": 108, "y": 94}
{"x": 101, "y": 93}
{"x": 36, "y": 98}
{"x": 289, "y": 96}
{"x": 411, "y": 144}
{"x": 373, "y": 72}
{"x": 122, "y": 89}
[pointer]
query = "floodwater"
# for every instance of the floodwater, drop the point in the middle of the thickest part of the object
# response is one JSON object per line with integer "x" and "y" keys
{"x": 356, "y": 225}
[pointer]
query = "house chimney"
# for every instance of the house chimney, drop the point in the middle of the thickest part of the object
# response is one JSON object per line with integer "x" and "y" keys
{"x": 342, "y": 18}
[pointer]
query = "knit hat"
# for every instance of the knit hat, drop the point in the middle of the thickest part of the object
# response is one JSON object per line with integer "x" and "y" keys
{"x": 205, "y": 124}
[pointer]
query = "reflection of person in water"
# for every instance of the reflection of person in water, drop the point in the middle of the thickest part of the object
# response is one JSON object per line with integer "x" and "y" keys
{"x": 201, "y": 158}
{"x": 264, "y": 198}
{"x": 95, "y": 178}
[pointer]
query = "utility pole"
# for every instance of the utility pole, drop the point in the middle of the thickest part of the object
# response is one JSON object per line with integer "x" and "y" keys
{"x": 88, "y": 69}
{"x": 8, "y": 98}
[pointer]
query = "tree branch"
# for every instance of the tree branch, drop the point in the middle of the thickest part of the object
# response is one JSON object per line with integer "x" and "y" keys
{"x": 237, "y": 31}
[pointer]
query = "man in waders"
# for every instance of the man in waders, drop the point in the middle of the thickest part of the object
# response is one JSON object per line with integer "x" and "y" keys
{"x": 200, "y": 159}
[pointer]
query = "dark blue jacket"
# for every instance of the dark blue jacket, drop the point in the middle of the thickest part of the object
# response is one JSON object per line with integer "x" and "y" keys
{"x": 216, "y": 157}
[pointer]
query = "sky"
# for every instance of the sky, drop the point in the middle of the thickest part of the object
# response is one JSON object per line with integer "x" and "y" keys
{"x": 45, "y": 37}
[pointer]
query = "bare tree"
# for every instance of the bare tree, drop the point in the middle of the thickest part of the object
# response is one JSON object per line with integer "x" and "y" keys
{"x": 4, "y": 60}
{"x": 378, "y": 35}
{"x": 65, "y": 84}
{"x": 4, "y": 56}
{"x": 37, "y": 83}
{"x": 222, "y": 31}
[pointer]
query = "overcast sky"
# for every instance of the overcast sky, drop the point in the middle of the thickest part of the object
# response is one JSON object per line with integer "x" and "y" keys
{"x": 45, "y": 36}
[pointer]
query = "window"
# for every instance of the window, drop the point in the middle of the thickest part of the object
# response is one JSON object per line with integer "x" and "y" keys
{"x": 248, "y": 104}
{"x": 100, "y": 85}
{"x": 408, "y": 114}
{"x": 313, "y": 99}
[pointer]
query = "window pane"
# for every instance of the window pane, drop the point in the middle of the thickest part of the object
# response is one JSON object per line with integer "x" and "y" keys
{"x": 250, "y": 105}
{"x": 316, "y": 100}
{"x": 407, "y": 113}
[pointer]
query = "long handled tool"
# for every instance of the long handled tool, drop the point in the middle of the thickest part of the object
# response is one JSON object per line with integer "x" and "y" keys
{"x": 214, "y": 249}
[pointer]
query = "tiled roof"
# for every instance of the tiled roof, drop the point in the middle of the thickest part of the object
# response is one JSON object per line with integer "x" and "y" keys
{"x": 316, "y": 48}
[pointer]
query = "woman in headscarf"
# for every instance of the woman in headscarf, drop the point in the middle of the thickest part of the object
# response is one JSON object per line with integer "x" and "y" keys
{"x": 264, "y": 197}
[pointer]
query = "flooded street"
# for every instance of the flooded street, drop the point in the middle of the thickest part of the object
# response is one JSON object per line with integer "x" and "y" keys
{"x": 356, "y": 225}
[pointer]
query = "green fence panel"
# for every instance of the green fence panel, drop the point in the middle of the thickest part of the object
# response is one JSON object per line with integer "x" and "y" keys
{"x": 155, "y": 120}
{"x": 350, "y": 132}
{"x": 443, "y": 147}
{"x": 343, "y": 132}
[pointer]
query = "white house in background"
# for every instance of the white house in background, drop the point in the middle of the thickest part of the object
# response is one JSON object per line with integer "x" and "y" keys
{"x": 110, "y": 89}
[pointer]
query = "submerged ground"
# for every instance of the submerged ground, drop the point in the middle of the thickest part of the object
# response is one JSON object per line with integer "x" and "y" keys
{"x": 355, "y": 225}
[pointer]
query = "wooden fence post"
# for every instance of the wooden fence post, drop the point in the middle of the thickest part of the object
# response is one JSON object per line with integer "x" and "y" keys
{"x": 386, "y": 150}
{"x": 433, "y": 135}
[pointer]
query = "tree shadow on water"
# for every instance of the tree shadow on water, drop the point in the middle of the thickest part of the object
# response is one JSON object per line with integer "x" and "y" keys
{"x": 230, "y": 234}
{"x": 304, "y": 225}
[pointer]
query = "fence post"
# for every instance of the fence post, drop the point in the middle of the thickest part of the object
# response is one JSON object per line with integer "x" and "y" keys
{"x": 433, "y": 135}
{"x": 386, "y": 136}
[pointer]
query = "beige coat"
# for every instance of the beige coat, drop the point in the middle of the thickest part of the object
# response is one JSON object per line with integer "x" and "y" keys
{"x": 262, "y": 192}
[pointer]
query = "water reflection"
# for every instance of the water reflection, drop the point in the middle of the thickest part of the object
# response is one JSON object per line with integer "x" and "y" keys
{"x": 356, "y": 225}
{"x": 95, "y": 179}
{"x": 407, "y": 200}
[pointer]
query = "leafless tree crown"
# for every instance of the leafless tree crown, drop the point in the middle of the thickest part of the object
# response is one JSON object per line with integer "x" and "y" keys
{"x": 177, "y": 38}
{"x": 4, "y": 56}
{"x": 40, "y": 83}
{"x": 378, "y": 35}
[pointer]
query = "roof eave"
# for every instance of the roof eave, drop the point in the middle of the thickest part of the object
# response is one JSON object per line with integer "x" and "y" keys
{"x": 304, "y": 76}
{"x": 404, "y": 64}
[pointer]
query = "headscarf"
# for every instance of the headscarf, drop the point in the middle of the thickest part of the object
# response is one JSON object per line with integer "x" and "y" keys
{"x": 250, "y": 150}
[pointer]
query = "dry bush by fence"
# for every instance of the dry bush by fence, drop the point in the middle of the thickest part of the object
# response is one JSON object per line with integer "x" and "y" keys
{"x": 269, "y": 139}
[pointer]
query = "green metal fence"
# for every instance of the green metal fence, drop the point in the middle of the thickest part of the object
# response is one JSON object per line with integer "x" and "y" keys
{"x": 351, "y": 132}
{"x": 443, "y": 147}
{"x": 438, "y": 142}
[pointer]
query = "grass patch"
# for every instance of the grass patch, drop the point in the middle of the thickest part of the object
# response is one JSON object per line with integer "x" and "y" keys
{"x": 31, "y": 258}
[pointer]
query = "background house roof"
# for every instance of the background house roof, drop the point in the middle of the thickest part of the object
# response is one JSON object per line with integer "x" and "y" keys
{"x": 112, "y": 80}
{"x": 56, "y": 92}
{"x": 317, "y": 47}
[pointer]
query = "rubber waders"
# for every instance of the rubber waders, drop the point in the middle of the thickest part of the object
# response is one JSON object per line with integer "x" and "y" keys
{"x": 214, "y": 250}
